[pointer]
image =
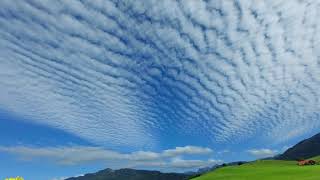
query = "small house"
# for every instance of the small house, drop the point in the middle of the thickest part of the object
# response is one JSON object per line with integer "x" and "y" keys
{"x": 306, "y": 162}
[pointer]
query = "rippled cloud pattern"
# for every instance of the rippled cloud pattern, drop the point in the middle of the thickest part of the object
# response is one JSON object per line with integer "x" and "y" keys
{"x": 124, "y": 73}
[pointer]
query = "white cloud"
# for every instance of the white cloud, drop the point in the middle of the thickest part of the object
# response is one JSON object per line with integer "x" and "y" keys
{"x": 144, "y": 156}
{"x": 187, "y": 150}
{"x": 60, "y": 178}
{"x": 181, "y": 163}
{"x": 82, "y": 155}
{"x": 250, "y": 72}
{"x": 286, "y": 147}
{"x": 262, "y": 153}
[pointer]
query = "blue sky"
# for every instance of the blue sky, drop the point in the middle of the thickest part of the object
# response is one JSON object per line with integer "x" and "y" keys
{"x": 166, "y": 85}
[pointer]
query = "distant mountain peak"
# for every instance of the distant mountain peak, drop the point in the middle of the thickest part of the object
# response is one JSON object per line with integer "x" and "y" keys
{"x": 130, "y": 174}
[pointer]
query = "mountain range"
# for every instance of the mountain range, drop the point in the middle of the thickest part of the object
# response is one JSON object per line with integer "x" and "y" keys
{"x": 131, "y": 174}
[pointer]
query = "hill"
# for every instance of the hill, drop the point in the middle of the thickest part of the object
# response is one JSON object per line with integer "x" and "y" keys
{"x": 130, "y": 174}
{"x": 265, "y": 170}
{"x": 303, "y": 150}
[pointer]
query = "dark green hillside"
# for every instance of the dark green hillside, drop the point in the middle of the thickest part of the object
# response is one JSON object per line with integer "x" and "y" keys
{"x": 303, "y": 150}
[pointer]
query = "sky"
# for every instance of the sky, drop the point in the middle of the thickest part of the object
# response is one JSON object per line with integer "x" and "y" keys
{"x": 165, "y": 85}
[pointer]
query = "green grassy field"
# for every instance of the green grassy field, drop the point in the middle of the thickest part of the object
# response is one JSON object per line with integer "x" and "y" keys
{"x": 265, "y": 170}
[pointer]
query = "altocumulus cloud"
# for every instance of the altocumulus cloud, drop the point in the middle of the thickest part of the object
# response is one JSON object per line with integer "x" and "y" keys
{"x": 136, "y": 70}
{"x": 77, "y": 155}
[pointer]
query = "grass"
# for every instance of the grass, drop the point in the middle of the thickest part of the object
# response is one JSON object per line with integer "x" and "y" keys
{"x": 265, "y": 170}
{"x": 317, "y": 159}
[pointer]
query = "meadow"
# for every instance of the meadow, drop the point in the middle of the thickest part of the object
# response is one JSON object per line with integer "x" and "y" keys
{"x": 265, "y": 170}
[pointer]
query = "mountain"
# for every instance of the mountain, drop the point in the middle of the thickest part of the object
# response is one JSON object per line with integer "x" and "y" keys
{"x": 303, "y": 150}
{"x": 130, "y": 174}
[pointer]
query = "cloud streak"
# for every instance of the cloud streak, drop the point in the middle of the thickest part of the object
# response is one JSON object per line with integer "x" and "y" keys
{"x": 133, "y": 71}
{"x": 186, "y": 150}
{"x": 78, "y": 155}
{"x": 263, "y": 153}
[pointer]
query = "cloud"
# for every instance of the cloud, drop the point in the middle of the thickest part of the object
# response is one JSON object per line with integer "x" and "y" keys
{"x": 286, "y": 147}
{"x": 186, "y": 164}
{"x": 60, "y": 178}
{"x": 63, "y": 178}
{"x": 135, "y": 71}
{"x": 77, "y": 155}
{"x": 186, "y": 150}
{"x": 262, "y": 153}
